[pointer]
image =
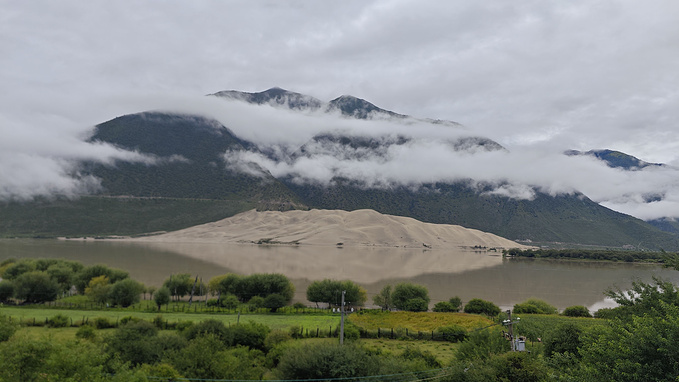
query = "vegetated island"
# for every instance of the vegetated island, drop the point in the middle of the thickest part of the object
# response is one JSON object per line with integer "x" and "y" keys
{"x": 588, "y": 254}
{"x": 334, "y": 228}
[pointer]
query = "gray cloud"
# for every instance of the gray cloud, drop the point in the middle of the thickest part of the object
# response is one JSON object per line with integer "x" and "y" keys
{"x": 538, "y": 77}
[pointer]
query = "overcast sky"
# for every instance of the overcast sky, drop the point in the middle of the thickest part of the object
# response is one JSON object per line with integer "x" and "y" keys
{"x": 538, "y": 77}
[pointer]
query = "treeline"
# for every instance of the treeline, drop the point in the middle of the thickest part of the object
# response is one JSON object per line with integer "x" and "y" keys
{"x": 588, "y": 254}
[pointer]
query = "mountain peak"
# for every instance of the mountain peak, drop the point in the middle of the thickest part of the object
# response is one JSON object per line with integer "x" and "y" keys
{"x": 615, "y": 159}
{"x": 359, "y": 108}
{"x": 275, "y": 97}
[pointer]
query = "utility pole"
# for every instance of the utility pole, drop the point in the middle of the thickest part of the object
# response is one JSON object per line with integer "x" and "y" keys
{"x": 510, "y": 327}
{"x": 342, "y": 320}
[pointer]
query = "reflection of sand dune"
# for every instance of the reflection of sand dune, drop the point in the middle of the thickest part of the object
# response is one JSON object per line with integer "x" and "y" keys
{"x": 325, "y": 227}
{"x": 360, "y": 264}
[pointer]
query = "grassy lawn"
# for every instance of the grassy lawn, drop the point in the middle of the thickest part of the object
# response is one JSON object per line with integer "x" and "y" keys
{"x": 274, "y": 321}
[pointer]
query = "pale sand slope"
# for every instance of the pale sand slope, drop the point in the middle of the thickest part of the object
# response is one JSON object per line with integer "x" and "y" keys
{"x": 330, "y": 227}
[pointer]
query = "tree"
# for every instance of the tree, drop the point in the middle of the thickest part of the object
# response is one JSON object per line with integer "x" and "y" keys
{"x": 125, "y": 292}
{"x": 534, "y": 306}
{"x": 479, "y": 306}
{"x": 274, "y": 301}
{"x": 6, "y": 290}
{"x": 62, "y": 274}
{"x": 330, "y": 292}
{"x": 264, "y": 284}
{"x": 82, "y": 278}
{"x": 411, "y": 297}
{"x": 456, "y": 303}
{"x": 383, "y": 299}
{"x": 161, "y": 297}
{"x": 443, "y": 307}
{"x": 576, "y": 311}
{"x": 563, "y": 338}
{"x": 98, "y": 289}
{"x": 35, "y": 287}
{"x": 179, "y": 284}
{"x": 223, "y": 284}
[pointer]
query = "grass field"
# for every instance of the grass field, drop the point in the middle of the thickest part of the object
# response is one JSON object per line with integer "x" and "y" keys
{"x": 274, "y": 321}
{"x": 424, "y": 321}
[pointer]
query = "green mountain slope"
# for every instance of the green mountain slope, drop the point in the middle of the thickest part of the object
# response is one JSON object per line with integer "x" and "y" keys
{"x": 569, "y": 219}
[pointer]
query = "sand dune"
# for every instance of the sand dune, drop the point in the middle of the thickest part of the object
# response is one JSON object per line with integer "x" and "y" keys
{"x": 331, "y": 227}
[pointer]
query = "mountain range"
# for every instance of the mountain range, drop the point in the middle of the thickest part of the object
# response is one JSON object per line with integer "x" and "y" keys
{"x": 197, "y": 170}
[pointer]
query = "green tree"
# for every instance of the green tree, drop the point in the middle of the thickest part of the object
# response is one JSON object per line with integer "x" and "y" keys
{"x": 274, "y": 301}
{"x": 479, "y": 306}
{"x": 7, "y": 328}
{"x": 208, "y": 358}
{"x": 125, "y": 292}
{"x": 223, "y": 284}
{"x": 6, "y": 290}
{"x": 411, "y": 297}
{"x": 98, "y": 289}
{"x": 443, "y": 307}
{"x": 62, "y": 274}
{"x": 35, "y": 287}
{"x": 563, "y": 338}
{"x": 576, "y": 311}
{"x": 456, "y": 303}
{"x": 330, "y": 292}
{"x": 179, "y": 284}
{"x": 534, "y": 306}
{"x": 264, "y": 284}
{"x": 82, "y": 278}
{"x": 17, "y": 269}
{"x": 161, "y": 297}
{"x": 383, "y": 299}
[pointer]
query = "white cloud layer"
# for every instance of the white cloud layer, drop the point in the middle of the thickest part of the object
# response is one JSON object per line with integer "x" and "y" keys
{"x": 537, "y": 77}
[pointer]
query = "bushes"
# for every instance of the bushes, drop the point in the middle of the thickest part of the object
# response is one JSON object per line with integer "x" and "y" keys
{"x": 534, "y": 306}
{"x": 410, "y": 297}
{"x": 478, "y": 306}
{"x": 326, "y": 360}
{"x": 576, "y": 311}
{"x": 453, "y": 333}
{"x": 58, "y": 321}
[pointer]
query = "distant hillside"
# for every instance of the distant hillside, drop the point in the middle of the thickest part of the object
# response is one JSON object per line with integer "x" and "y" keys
{"x": 187, "y": 170}
{"x": 616, "y": 159}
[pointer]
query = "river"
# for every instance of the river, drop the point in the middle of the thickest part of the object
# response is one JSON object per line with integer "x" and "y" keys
{"x": 445, "y": 273}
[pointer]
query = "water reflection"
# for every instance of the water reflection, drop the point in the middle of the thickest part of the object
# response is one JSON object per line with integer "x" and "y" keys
{"x": 445, "y": 273}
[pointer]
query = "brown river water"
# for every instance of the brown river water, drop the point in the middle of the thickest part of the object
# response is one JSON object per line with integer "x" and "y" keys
{"x": 445, "y": 273}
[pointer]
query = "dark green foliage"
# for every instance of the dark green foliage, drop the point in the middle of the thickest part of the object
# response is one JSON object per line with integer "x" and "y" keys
{"x": 512, "y": 366}
{"x": 481, "y": 345}
{"x": 250, "y": 334}
{"x": 136, "y": 342}
{"x": 179, "y": 284}
{"x": 565, "y": 338}
{"x": 86, "y": 332}
{"x": 161, "y": 297}
{"x": 6, "y": 290}
{"x": 330, "y": 292}
{"x": 326, "y": 360}
{"x": 642, "y": 297}
{"x": 275, "y": 338}
{"x": 208, "y": 358}
{"x": 62, "y": 274}
{"x": 576, "y": 311}
{"x": 99, "y": 216}
{"x": 444, "y": 307}
{"x": 7, "y": 328}
{"x": 125, "y": 292}
{"x": 479, "y": 306}
{"x": 453, "y": 333}
{"x": 456, "y": 302}
{"x": 383, "y": 299}
{"x": 213, "y": 328}
{"x": 230, "y": 301}
{"x": 35, "y": 287}
{"x": 589, "y": 254}
{"x": 58, "y": 321}
{"x": 534, "y": 306}
{"x": 274, "y": 301}
{"x": 264, "y": 284}
{"x": 82, "y": 278}
{"x": 102, "y": 323}
{"x": 17, "y": 269}
{"x": 408, "y": 296}
{"x": 637, "y": 348}
{"x": 413, "y": 353}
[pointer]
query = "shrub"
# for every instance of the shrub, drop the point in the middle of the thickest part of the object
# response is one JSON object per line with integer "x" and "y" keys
{"x": 479, "y": 306}
{"x": 58, "y": 321}
{"x": 413, "y": 353}
{"x": 456, "y": 302}
{"x": 576, "y": 311}
{"x": 125, "y": 292}
{"x": 86, "y": 332}
{"x": 274, "y": 301}
{"x": 563, "y": 338}
{"x": 6, "y": 290}
{"x": 256, "y": 302}
{"x": 415, "y": 305}
{"x": 351, "y": 331}
{"x": 208, "y": 327}
{"x": 229, "y": 301}
{"x": 103, "y": 323}
{"x": 296, "y": 331}
{"x": 299, "y": 305}
{"x": 443, "y": 307}
{"x": 126, "y": 319}
{"x": 275, "y": 338}
{"x": 535, "y": 306}
{"x": 7, "y": 328}
{"x": 250, "y": 334}
{"x": 453, "y": 333}
{"x": 327, "y": 360}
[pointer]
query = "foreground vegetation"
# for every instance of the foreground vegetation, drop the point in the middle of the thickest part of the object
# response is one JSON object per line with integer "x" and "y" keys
{"x": 589, "y": 254}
